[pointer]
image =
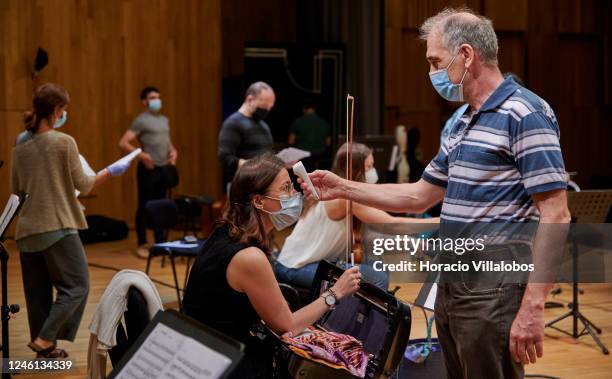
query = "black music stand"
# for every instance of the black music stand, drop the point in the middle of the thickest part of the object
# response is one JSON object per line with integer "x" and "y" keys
{"x": 585, "y": 207}
{"x": 7, "y": 310}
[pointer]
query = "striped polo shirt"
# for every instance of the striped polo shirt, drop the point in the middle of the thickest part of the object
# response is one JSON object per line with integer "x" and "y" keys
{"x": 497, "y": 158}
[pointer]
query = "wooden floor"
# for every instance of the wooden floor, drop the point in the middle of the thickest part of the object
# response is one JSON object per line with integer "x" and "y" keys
{"x": 564, "y": 357}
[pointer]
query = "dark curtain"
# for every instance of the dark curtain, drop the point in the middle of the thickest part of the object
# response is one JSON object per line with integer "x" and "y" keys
{"x": 359, "y": 25}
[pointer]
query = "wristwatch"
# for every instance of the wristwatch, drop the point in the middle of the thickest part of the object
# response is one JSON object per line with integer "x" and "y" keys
{"x": 330, "y": 298}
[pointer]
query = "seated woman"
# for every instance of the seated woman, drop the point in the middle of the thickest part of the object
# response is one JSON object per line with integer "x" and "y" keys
{"x": 232, "y": 285}
{"x": 298, "y": 260}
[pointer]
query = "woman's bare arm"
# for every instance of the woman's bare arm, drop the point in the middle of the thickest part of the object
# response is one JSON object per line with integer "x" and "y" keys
{"x": 250, "y": 272}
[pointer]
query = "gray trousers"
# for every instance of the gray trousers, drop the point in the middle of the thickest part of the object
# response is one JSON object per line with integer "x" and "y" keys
{"x": 474, "y": 313}
{"x": 474, "y": 330}
{"x": 62, "y": 266}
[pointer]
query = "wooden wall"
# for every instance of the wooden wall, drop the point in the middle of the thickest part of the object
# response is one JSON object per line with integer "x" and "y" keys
{"x": 103, "y": 53}
{"x": 266, "y": 21}
{"x": 562, "y": 49}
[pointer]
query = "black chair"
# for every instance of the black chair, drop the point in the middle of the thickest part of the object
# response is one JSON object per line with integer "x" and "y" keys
{"x": 190, "y": 211}
{"x": 162, "y": 215}
{"x": 291, "y": 295}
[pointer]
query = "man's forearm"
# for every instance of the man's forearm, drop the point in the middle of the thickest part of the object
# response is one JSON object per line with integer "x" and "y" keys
{"x": 548, "y": 250}
{"x": 407, "y": 197}
{"x": 127, "y": 146}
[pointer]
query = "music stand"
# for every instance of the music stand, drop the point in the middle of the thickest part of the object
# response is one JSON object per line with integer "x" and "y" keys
{"x": 585, "y": 207}
{"x": 173, "y": 340}
{"x": 12, "y": 208}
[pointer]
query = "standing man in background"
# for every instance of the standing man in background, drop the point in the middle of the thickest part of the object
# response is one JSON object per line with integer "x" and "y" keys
{"x": 310, "y": 133}
{"x": 245, "y": 134}
{"x": 152, "y": 130}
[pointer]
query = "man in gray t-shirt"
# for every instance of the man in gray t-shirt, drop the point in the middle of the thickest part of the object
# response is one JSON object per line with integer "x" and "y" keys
{"x": 152, "y": 131}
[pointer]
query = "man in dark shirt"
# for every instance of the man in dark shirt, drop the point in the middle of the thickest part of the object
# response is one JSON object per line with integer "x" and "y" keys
{"x": 310, "y": 132}
{"x": 244, "y": 134}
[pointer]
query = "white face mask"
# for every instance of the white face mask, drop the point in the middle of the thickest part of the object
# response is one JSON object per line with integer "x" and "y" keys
{"x": 371, "y": 176}
{"x": 291, "y": 209}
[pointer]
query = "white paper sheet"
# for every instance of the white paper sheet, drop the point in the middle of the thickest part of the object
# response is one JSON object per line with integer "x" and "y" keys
{"x": 128, "y": 158}
{"x": 88, "y": 171}
{"x": 86, "y": 167}
{"x": 291, "y": 154}
{"x": 393, "y": 159}
{"x": 431, "y": 297}
{"x": 9, "y": 210}
{"x": 166, "y": 353}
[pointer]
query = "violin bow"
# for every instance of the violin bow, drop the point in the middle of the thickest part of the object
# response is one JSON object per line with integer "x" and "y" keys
{"x": 350, "y": 115}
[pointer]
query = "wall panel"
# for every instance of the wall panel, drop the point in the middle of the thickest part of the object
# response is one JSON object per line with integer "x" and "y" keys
{"x": 561, "y": 49}
{"x": 103, "y": 53}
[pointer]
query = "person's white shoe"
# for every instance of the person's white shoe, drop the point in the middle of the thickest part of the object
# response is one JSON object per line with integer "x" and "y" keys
{"x": 142, "y": 251}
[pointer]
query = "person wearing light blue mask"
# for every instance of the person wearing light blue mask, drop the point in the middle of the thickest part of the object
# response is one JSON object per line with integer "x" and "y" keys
{"x": 492, "y": 161}
{"x": 157, "y": 171}
{"x": 444, "y": 86}
{"x": 46, "y": 165}
{"x": 289, "y": 212}
{"x": 60, "y": 120}
{"x": 452, "y": 120}
{"x": 300, "y": 254}
{"x": 154, "y": 105}
{"x": 232, "y": 286}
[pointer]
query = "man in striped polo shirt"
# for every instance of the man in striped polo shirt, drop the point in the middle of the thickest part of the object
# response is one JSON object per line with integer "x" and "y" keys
{"x": 502, "y": 164}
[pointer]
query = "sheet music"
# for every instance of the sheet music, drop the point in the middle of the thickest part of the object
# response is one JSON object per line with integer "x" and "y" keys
{"x": 86, "y": 167}
{"x": 9, "y": 210}
{"x": 393, "y": 160}
{"x": 291, "y": 154}
{"x": 431, "y": 297}
{"x": 128, "y": 158}
{"x": 166, "y": 353}
{"x": 88, "y": 171}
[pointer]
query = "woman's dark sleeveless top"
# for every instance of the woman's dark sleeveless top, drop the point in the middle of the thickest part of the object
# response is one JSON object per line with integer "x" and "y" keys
{"x": 209, "y": 297}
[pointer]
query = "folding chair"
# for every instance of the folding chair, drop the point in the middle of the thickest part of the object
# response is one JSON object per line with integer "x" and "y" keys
{"x": 162, "y": 215}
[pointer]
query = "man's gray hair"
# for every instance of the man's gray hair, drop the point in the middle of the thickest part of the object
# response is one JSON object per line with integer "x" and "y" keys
{"x": 461, "y": 25}
{"x": 256, "y": 88}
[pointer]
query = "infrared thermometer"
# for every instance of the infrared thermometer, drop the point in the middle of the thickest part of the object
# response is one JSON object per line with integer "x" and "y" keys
{"x": 300, "y": 170}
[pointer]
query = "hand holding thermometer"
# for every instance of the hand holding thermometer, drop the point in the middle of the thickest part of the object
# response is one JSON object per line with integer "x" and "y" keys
{"x": 300, "y": 170}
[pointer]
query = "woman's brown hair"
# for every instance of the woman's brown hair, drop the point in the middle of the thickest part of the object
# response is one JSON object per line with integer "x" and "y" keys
{"x": 44, "y": 101}
{"x": 252, "y": 178}
{"x": 360, "y": 154}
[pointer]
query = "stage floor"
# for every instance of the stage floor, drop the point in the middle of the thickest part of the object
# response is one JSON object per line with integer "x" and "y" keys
{"x": 563, "y": 357}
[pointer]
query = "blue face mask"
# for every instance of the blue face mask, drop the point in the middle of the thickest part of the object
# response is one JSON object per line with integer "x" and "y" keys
{"x": 155, "y": 105}
{"x": 291, "y": 209}
{"x": 442, "y": 83}
{"x": 61, "y": 121}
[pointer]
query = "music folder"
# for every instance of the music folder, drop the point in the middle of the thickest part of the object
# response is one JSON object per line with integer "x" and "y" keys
{"x": 11, "y": 209}
{"x": 175, "y": 346}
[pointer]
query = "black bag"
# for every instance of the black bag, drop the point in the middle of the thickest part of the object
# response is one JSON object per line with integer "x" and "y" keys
{"x": 373, "y": 316}
{"x": 103, "y": 229}
{"x": 169, "y": 176}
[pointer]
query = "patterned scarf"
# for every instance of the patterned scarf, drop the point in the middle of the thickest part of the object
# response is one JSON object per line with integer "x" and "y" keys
{"x": 332, "y": 349}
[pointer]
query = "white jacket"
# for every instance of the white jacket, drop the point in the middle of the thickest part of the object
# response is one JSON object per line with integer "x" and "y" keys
{"x": 106, "y": 318}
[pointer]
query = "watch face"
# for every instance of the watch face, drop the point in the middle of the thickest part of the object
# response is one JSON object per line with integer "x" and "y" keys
{"x": 330, "y": 300}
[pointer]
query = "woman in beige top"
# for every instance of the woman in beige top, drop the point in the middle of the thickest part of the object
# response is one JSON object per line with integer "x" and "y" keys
{"x": 46, "y": 166}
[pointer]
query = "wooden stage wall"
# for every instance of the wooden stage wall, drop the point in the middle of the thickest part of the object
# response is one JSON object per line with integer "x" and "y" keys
{"x": 562, "y": 49}
{"x": 103, "y": 53}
